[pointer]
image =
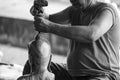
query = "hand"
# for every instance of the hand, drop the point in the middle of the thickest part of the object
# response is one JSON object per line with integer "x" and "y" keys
{"x": 42, "y": 24}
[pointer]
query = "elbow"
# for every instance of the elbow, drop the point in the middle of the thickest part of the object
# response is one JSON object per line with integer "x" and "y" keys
{"x": 93, "y": 37}
{"x": 94, "y": 34}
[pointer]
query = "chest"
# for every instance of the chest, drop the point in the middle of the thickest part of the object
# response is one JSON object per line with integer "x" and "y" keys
{"x": 79, "y": 17}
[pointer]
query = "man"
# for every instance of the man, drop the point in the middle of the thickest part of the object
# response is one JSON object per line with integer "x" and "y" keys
{"x": 93, "y": 29}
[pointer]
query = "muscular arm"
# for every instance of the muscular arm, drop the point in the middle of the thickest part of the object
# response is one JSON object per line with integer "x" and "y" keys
{"x": 99, "y": 26}
{"x": 61, "y": 17}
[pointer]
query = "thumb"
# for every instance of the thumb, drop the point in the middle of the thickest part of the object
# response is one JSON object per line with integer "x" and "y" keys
{"x": 38, "y": 18}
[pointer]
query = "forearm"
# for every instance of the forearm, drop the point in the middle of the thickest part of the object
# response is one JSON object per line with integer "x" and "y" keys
{"x": 79, "y": 33}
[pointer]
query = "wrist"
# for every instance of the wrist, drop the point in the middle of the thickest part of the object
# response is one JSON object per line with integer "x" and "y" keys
{"x": 57, "y": 28}
{"x": 50, "y": 27}
{"x": 53, "y": 27}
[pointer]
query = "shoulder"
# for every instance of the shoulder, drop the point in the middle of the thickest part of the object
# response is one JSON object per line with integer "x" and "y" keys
{"x": 101, "y": 7}
{"x": 111, "y": 8}
{"x": 104, "y": 6}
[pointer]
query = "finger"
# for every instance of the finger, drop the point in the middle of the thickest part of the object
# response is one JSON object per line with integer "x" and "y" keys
{"x": 38, "y": 25}
{"x": 36, "y": 17}
{"x": 40, "y": 15}
{"x": 36, "y": 28}
{"x": 32, "y": 10}
{"x": 36, "y": 22}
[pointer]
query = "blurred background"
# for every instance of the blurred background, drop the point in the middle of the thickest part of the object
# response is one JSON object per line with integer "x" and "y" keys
{"x": 17, "y": 30}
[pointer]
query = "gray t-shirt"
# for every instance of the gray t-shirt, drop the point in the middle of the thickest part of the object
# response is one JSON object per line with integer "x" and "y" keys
{"x": 101, "y": 56}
